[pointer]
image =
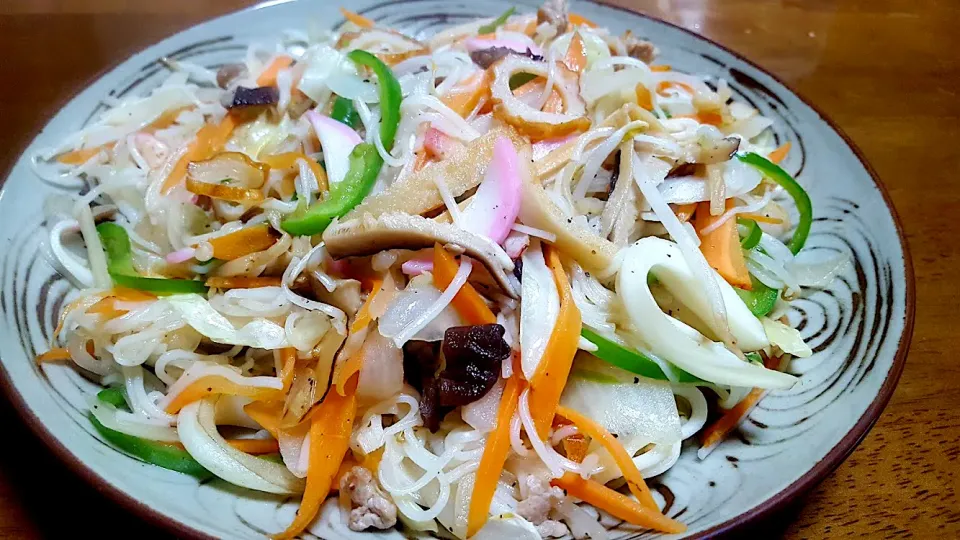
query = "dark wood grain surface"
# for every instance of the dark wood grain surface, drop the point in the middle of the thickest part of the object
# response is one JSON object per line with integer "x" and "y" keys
{"x": 887, "y": 71}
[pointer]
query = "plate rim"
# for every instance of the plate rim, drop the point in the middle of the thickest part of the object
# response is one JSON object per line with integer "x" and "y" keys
{"x": 798, "y": 488}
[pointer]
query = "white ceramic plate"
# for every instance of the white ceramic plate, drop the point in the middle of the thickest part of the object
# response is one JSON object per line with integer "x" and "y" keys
{"x": 859, "y": 328}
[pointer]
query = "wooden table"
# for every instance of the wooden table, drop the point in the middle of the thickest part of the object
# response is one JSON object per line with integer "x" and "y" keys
{"x": 885, "y": 70}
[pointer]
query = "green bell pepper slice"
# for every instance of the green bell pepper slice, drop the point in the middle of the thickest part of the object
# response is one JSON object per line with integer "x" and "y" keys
{"x": 344, "y": 112}
{"x": 492, "y": 26}
{"x": 365, "y": 161}
{"x": 152, "y": 452}
{"x": 116, "y": 246}
{"x": 800, "y": 198}
{"x": 753, "y": 235}
{"x": 760, "y": 299}
{"x": 632, "y": 361}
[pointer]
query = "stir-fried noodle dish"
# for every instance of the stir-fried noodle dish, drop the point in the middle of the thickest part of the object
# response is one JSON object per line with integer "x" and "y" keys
{"x": 481, "y": 284}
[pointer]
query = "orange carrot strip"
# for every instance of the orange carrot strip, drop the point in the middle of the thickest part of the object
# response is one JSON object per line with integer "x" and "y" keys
{"x": 269, "y": 76}
{"x": 242, "y": 242}
{"x": 363, "y": 317}
{"x": 684, "y": 211}
{"x": 721, "y": 427}
{"x": 421, "y": 160}
{"x": 666, "y": 85}
{"x": 255, "y": 446}
{"x": 780, "y": 153}
{"x": 215, "y": 384}
{"x": 289, "y": 356}
{"x": 616, "y": 450}
{"x": 760, "y": 218}
{"x": 494, "y": 454}
{"x": 329, "y": 442}
{"x": 81, "y": 155}
{"x": 288, "y": 160}
{"x": 575, "y": 446}
{"x": 468, "y": 302}
{"x": 731, "y": 418}
{"x": 267, "y": 414}
{"x": 721, "y": 247}
{"x": 209, "y": 140}
{"x": 712, "y": 118}
{"x": 644, "y": 99}
{"x": 54, "y": 355}
{"x": 576, "y": 19}
{"x": 661, "y": 68}
{"x": 554, "y": 369}
{"x": 576, "y": 57}
{"x": 242, "y": 282}
{"x": 357, "y": 19}
{"x": 616, "y": 504}
{"x": 463, "y": 97}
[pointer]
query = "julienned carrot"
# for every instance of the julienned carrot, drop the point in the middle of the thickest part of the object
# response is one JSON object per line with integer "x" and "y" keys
{"x": 780, "y": 153}
{"x": 215, "y": 384}
{"x": 552, "y": 373}
{"x": 719, "y": 429}
{"x": 465, "y": 96}
{"x": 267, "y": 414}
{"x": 352, "y": 365}
{"x": 288, "y": 160}
{"x": 579, "y": 20}
{"x": 329, "y": 442}
{"x": 684, "y": 211}
{"x": 107, "y": 306}
{"x": 242, "y": 282}
{"x": 616, "y": 504}
{"x": 209, "y": 140}
{"x": 661, "y": 68}
{"x": 242, "y": 242}
{"x": 644, "y": 99}
{"x": 731, "y": 418}
{"x": 721, "y": 247}
{"x": 467, "y": 302}
{"x": 663, "y": 86}
{"x": 289, "y": 357}
{"x": 576, "y": 57}
{"x": 760, "y": 218}
{"x": 494, "y": 454}
{"x": 255, "y": 446}
{"x": 623, "y": 460}
{"x": 269, "y": 75}
{"x": 54, "y": 355}
{"x": 357, "y": 19}
{"x": 363, "y": 318}
{"x": 81, "y": 155}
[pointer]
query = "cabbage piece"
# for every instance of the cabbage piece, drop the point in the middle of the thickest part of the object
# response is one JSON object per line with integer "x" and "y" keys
{"x": 632, "y": 408}
{"x": 785, "y": 337}
{"x": 199, "y": 314}
{"x": 409, "y": 303}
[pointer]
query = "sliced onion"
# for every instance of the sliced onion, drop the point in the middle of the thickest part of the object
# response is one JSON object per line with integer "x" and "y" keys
{"x": 235, "y": 167}
{"x": 423, "y": 319}
{"x": 198, "y": 434}
{"x": 539, "y": 309}
{"x": 108, "y": 415}
{"x": 482, "y": 414}
{"x": 337, "y": 140}
{"x": 409, "y": 304}
{"x": 381, "y": 374}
